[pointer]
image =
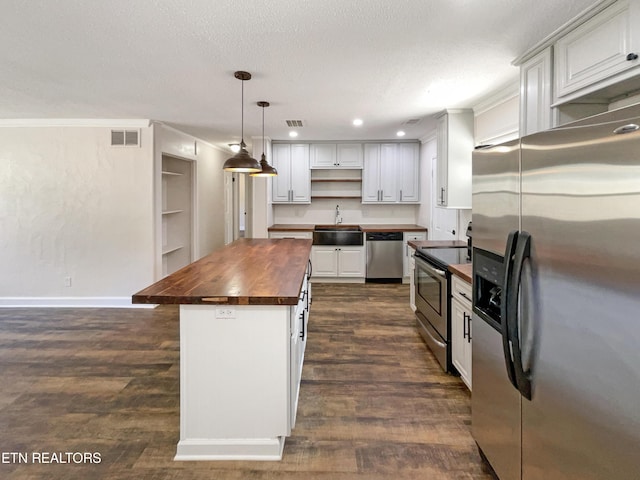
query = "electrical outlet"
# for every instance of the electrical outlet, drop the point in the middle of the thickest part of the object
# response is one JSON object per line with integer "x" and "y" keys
{"x": 225, "y": 312}
{"x": 67, "y": 281}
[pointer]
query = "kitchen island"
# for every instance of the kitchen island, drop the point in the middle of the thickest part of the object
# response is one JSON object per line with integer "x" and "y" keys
{"x": 243, "y": 321}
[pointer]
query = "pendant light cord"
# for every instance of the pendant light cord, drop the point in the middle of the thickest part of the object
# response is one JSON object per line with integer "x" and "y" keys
{"x": 242, "y": 116}
{"x": 263, "y": 129}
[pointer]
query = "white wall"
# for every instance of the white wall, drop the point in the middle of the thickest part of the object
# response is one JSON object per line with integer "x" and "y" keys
{"x": 73, "y": 206}
{"x": 352, "y": 212}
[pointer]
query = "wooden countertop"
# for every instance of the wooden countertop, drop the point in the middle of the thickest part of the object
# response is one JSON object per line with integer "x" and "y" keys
{"x": 435, "y": 243}
{"x": 464, "y": 271}
{"x": 393, "y": 228}
{"x": 246, "y": 272}
{"x": 291, "y": 227}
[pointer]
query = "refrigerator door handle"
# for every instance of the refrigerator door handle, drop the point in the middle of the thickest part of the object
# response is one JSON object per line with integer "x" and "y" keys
{"x": 505, "y": 312}
{"x": 523, "y": 250}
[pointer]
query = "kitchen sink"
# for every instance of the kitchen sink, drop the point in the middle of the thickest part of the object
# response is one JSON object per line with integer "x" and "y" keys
{"x": 338, "y": 235}
{"x": 338, "y": 227}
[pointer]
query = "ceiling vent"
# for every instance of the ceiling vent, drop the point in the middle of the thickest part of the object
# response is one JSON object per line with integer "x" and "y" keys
{"x": 294, "y": 123}
{"x": 125, "y": 138}
{"x": 412, "y": 121}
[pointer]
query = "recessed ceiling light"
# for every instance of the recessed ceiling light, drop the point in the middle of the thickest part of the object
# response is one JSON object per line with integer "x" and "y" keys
{"x": 400, "y": 133}
{"x": 357, "y": 122}
{"x": 235, "y": 147}
{"x": 293, "y": 133}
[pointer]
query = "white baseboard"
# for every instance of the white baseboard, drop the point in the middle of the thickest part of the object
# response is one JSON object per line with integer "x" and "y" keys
{"x": 70, "y": 302}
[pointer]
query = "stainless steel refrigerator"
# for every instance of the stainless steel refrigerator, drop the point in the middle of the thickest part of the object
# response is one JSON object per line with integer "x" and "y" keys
{"x": 556, "y": 315}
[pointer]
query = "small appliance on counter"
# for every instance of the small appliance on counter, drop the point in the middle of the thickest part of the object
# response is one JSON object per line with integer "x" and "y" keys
{"x": 433, "y": 303}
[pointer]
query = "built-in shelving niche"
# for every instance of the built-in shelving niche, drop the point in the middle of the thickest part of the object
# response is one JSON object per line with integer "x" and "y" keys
{"x": 336, "y": 184}
{"x": 177, "y": 215}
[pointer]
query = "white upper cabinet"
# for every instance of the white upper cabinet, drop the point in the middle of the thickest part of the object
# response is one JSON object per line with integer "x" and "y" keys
{"x": 605, "y": 45}
{"x": 349, "y": 155}
{"x": 454, "y": 137}
{"x": 391, "y": 173}
{"x": 293, "y": 182}
{"x": 323, "y": 155}
{"x": 331, "y": 155}
{"x": 535, "y": 93}
{"x": 409, "y": 172}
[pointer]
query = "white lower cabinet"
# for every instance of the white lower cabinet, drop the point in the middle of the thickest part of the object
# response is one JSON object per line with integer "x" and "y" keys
{"x": 407, "y": 251}
{"x": 412, "y": 284}
{"x": 461, "y": 328}
{"x": 334, "y": 261}
{"x": 299, "y": 324}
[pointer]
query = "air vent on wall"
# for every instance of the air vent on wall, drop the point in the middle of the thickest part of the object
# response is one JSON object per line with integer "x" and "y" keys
{"x": 294, "y": 123}
{"x": 125, "y": 138}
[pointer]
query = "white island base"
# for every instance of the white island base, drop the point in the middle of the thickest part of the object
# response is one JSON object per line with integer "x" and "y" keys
{"x": 240, "y": 372}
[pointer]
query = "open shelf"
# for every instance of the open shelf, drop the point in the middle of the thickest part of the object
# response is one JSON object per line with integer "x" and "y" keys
{"x": 169, "y": 212}
{"x": 349, "y": 180}
{"x": 167, "y": 172}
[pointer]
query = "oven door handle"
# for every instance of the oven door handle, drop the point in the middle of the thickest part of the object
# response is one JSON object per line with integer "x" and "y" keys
{"x": 435, "y": 340}
{"x": 427, "y": 266}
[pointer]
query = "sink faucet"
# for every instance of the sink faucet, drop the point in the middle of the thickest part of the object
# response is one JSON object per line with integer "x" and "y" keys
{"x": 338, "y": 217}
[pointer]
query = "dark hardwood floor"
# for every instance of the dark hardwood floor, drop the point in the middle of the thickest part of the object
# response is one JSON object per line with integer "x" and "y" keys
{"x": 374, "y": 403}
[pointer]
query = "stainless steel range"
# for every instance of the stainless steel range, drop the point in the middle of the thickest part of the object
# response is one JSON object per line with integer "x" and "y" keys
{"x": 433, "y": 281}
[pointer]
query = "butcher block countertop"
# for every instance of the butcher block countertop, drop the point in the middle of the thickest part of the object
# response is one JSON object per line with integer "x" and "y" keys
{"x": 463, "y": 271}
{"x": 415, "y": 244}
{"x": 246, "y": 272}
{"x": 291, "y": 227}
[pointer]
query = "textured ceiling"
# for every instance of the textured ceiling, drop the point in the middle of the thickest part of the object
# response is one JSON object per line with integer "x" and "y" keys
{"x": 325, "y": 62}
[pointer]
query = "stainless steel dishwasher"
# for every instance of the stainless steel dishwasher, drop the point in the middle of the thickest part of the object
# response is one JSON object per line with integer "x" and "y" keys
{"x": 384, "y": 257}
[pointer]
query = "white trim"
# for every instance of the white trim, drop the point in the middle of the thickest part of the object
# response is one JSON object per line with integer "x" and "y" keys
{"x": 498, "y": 97}
{"x": 70, "y": 302}
{"x": 550, "y": 39}
{"x": 429, "y": 137}
{"x": 197, "y": 139}
{"x": 76, "y": 122}
{"x": 269, "y": 449}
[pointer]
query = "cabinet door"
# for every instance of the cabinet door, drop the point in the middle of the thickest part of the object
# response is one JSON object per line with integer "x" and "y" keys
{"x": 325, "y": 261}
{"x": 300, "y": 174}
{"x": 535, "y": 94}
{"x": 409, "y": 172}
{"x": 388, "y": 172}
{"x": 595, "y": 50}
{"x": 281, "y": 185}
{"x": 351, "y": 262}
{"x": 323, "y": 155}
{"x": 349, "y": 155}
{"x": 441, "y": 162}
{"x": 459, "y": 332}
{"x": 412, "y": 285}
{"x": 408, "y": 251}
{"x": 371, "y": 173}
{"x": 455, "y": 147}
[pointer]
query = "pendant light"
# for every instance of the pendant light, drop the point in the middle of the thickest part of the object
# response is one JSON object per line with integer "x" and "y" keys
{"x": 242, "y": 162}
{"x": 267, "y": 170}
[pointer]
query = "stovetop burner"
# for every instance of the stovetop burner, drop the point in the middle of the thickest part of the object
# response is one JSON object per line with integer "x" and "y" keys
{"x": 443, "y": 257}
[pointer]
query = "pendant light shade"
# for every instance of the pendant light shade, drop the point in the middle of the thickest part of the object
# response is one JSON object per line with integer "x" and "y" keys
{"x": 266, "y": 170}
{"x": 242, "y": 161}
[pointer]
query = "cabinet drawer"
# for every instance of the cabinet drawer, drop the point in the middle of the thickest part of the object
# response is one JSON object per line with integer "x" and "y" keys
{"x": 291, "y": 234}
{"x": 409, "y": 237}
{"x": 461, "y": 290}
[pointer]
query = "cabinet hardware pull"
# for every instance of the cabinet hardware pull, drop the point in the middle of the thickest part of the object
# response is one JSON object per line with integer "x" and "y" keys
{"x": 632, "y": 127}
{"x": 632, "y": 56}
{"x": 400, "y": 195}
{"x": 464, "y": 295}
{"x": 442, "y": 196}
